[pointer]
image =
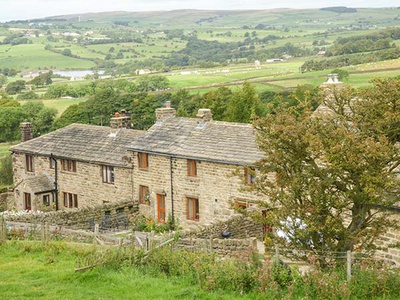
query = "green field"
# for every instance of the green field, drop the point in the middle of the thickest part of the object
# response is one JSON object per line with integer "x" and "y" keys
{"x": 59, "y": 104}
{"x": 34, "y": 56}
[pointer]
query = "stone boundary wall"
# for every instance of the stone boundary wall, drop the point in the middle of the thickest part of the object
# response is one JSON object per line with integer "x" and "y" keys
{"x": 6, "y": 201}
{"x": 76, "y": 218}
{"x": 244, "y": 235}
{"x": 222, "y": 247}
{"x": 239, "y": 226}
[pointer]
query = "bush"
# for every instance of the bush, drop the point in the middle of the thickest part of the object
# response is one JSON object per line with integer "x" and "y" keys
{"x": 6, "y": 171}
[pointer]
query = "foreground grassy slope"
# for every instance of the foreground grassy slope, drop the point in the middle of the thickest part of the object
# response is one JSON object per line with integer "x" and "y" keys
{"x": 28, "y": 272}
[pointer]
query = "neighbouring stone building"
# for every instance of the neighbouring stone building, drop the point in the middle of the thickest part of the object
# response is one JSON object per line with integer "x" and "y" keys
{"x": 79, "y": 165}
{"x": 192, "y": 169}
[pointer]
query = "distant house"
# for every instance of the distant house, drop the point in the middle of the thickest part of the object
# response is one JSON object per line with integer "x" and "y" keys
{"x": 271, "y": 60}
{"x": 142, "y": 71}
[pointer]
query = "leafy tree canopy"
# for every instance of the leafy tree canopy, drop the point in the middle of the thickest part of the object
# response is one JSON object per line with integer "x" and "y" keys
{"x": 334, "y": 171}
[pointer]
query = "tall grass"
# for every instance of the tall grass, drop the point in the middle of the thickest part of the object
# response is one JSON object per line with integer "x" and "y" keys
{"x": 35, "y": 270}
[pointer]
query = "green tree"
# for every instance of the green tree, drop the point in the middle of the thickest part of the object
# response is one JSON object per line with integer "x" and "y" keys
{"x": 40, "y": 116}
{"x": 333, "y": 174}
{"x": 75, "y": 113}
{"x": 217, "y": 101}
{"x": 67, "y": 52}
{"x": 244, "y": 105}
{"x": 15, "y": 87}
{"x": 143, "y": 110}
{"x": 6, "y": 170}
{"x": 42, "y": 79}
{"x": 3, "y": 80}
{"x": 342, "y": 74}
{"x": 10, "y": 119}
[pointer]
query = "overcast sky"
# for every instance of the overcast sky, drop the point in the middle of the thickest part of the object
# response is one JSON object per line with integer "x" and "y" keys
{"x": 28, "y": 9}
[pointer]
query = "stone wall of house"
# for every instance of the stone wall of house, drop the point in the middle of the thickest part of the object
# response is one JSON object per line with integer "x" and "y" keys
{"x": 76, "y": 218}
{"x": 86, "y": 182}
{"x": 390, "y": 243}
{"x": 216, "y": 187}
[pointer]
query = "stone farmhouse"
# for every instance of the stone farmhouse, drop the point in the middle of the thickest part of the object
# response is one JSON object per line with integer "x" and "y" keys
{"x": 185, "y": 168}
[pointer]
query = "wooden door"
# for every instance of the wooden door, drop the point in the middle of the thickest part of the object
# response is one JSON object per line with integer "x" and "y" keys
{"x": 27, "y": 201}
{"x": 161, "y": 208}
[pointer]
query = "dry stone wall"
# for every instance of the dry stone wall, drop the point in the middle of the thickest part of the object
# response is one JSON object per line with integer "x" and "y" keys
{"x": 79, "y": 218}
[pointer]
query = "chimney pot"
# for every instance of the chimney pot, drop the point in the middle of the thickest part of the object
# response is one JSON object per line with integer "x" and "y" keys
{"x": 168, "y": 104}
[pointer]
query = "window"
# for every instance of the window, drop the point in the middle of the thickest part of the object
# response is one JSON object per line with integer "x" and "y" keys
{"x": 107, "y": 174}
{"x": 29, "y": 163}
{"x": 143, "y": 160}
{"x": 192, "y": 167}
{"x": 70, "y": 200}
{"x": 27, "y": 201}
{"x": 52, "y": 163}
{"x": 68, "y": 165}
{"x": 250, "y": 175}
{"x": 193, "y": 209}
{"x": 144, "y": 195}
{"x": 46, "y": 200}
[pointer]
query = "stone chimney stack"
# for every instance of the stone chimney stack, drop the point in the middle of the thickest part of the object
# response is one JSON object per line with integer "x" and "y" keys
{"x": 26, "y": 131}
{"x": 203, "y": 116}
{"x": 165, "y": 113}
{"x": 120, "y": 121}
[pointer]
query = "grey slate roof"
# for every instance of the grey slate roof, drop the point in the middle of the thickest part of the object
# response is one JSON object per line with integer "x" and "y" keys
{"x": 40, "y": 184}
{"x": 82, "y": 142}
{"x": 224, "y": 142}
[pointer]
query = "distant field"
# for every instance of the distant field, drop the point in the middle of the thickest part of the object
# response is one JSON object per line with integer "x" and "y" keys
{"x": 59, "y": 104}
{"x": 34, "y": 57}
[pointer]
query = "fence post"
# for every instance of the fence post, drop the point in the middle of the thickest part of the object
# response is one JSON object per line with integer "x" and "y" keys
{"x": 47, "y": 232}
{"x": 42, "y": 232}
{"x": 95, "y": 233}
{"x": 3, "y": 230}
{"x": 348, "y": 265}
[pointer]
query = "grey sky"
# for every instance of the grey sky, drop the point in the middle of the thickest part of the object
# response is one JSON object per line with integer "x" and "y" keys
{"x": 27, "y": 9}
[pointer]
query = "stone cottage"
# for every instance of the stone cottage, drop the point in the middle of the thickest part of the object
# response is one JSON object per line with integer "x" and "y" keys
{"x": 185, "y": 168}
{"x": 75, "y": 166}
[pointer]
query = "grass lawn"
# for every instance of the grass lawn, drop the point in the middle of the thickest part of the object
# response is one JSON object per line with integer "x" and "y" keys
{"x": 31, "y": 271}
